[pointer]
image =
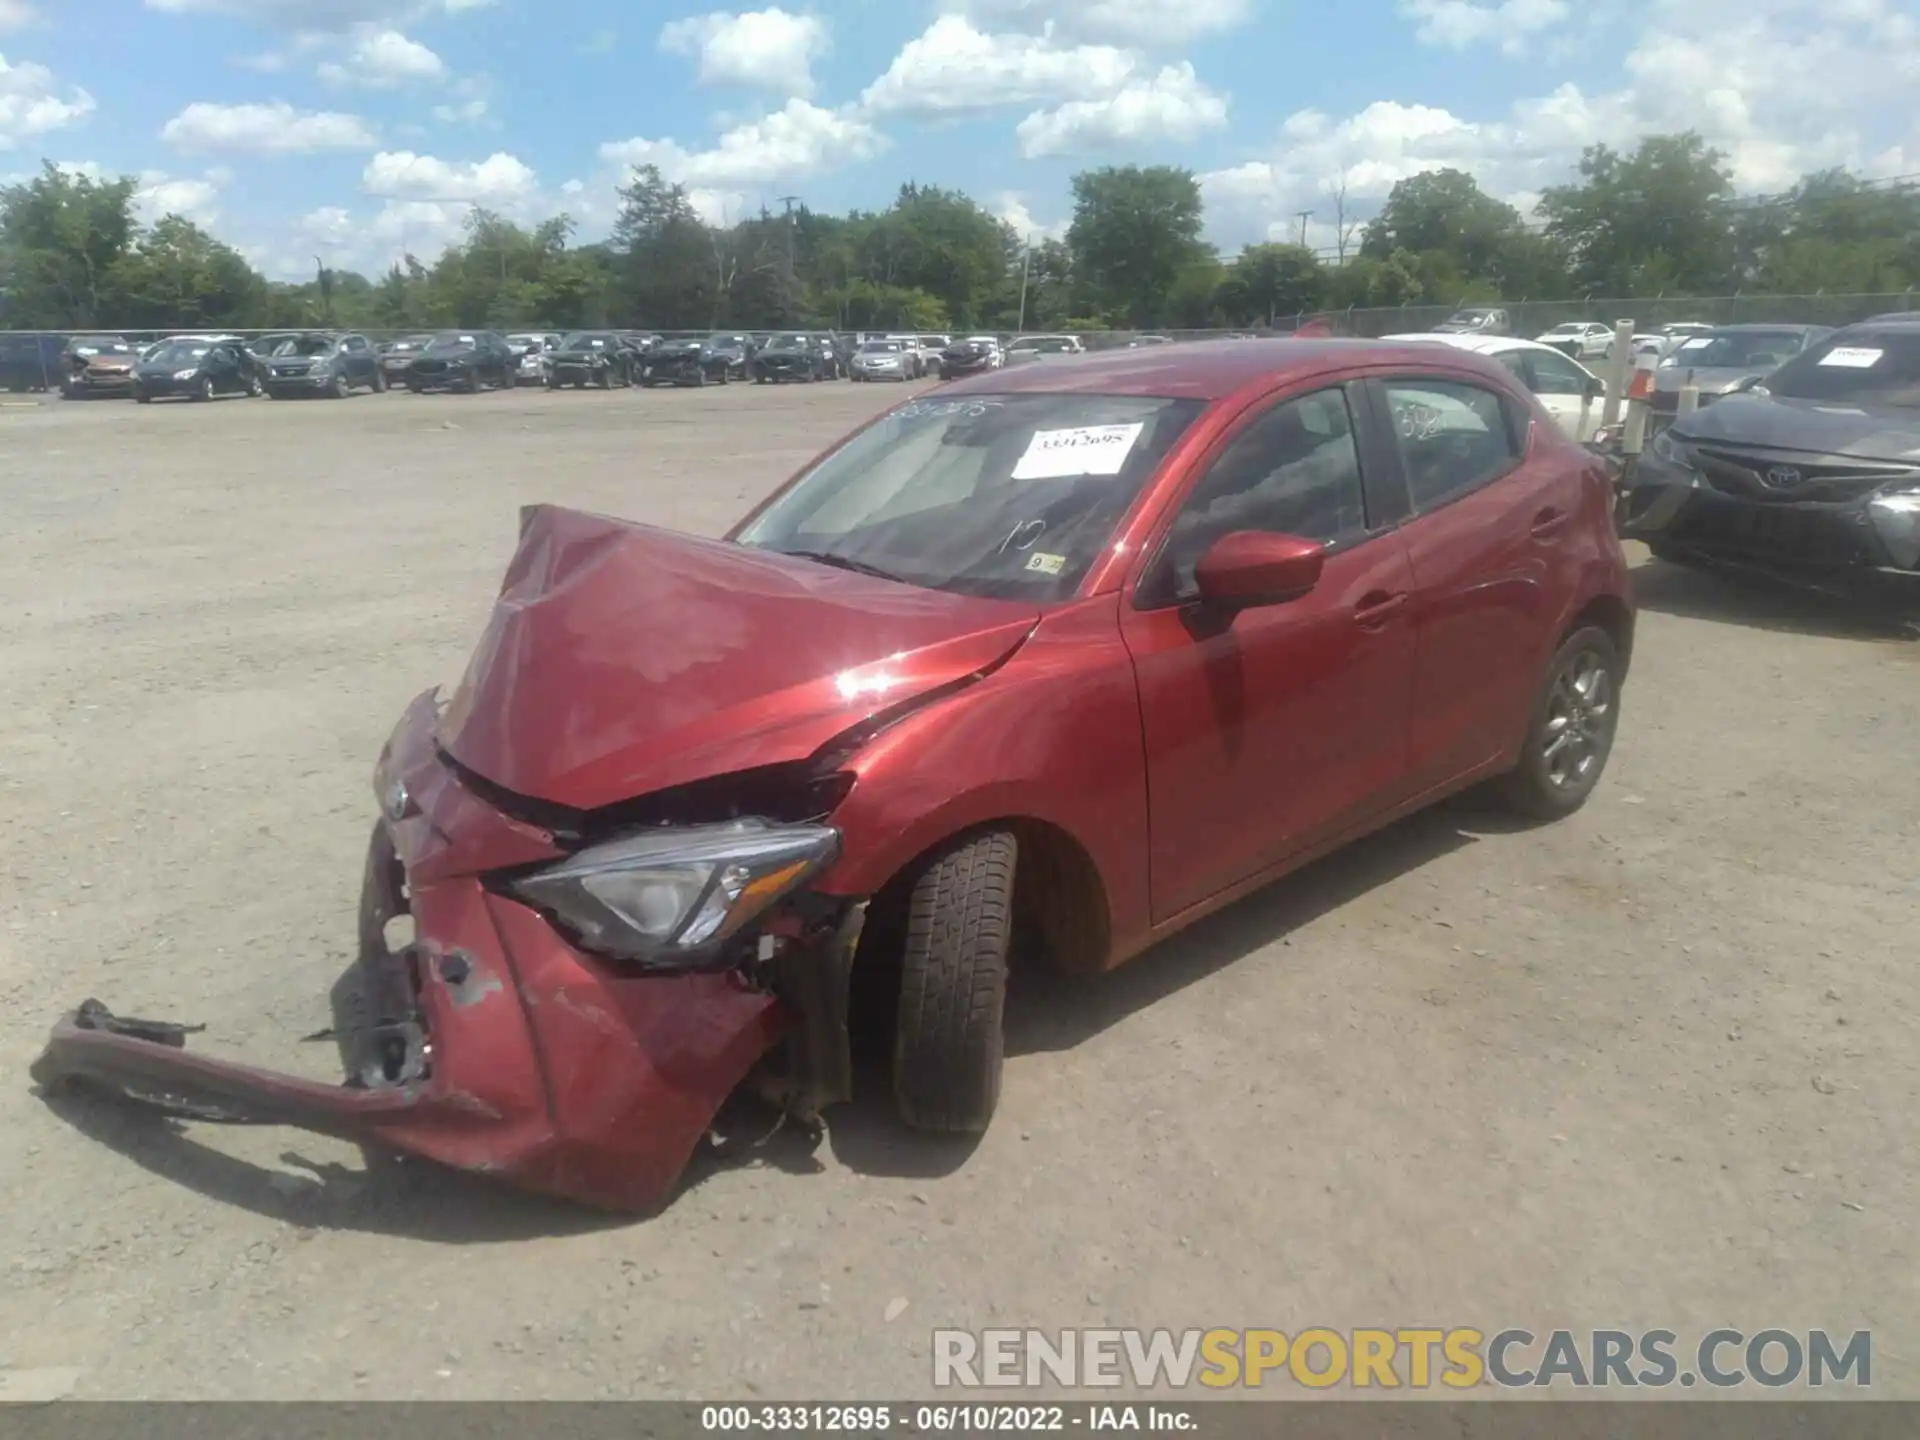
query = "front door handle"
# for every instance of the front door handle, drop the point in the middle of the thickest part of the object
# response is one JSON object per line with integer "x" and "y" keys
{"x": 1377, "y": 607}
{"x": 1550, "y": 522}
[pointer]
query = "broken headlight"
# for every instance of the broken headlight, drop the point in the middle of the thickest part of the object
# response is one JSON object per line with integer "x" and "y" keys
{"x": 663, "y": 899}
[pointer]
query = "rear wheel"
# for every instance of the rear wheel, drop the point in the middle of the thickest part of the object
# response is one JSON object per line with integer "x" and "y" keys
{"x": 948, "y": 1042}
{"x": 204, "y": 390}
{"x": 379, "y": 381}
{"x": 339, "y": 390}
{"x": 1570, "y": 734}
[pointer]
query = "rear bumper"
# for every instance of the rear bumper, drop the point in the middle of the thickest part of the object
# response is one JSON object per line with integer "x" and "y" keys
{"x": 488, "y": 1044}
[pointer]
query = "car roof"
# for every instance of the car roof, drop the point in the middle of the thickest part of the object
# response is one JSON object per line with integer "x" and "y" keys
{"x": 1479, "y": 344}
{"x": 1204, "y": 370}
{"x": 1768, "y": 325}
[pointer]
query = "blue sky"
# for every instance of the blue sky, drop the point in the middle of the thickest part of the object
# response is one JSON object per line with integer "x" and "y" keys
{"x": 354, "y": 129}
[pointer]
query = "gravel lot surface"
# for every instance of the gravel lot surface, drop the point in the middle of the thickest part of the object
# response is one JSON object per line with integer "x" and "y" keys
{"x": 1654, "y": 1066}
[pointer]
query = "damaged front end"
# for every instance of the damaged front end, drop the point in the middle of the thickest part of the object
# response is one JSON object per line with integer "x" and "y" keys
{"x": 572, "y": 1008}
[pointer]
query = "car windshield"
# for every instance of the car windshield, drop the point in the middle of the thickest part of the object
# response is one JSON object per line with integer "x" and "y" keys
{"x": 1046, "y": 344}
{"x": 1739, "y": 350}
{"x": 304, "y": 345}
{"x": 1877, "y": 368}
{"x": 103, "y": 347}
{"x": 441, "y": 344}
{"x": 413, "y": 342}
{"x": 585, "y": 341}
{"x": 179, "y": 353}
{"x": 787, "y": 342}
{"x": 880, "y": 347}
{"x": 1009, "y": 496}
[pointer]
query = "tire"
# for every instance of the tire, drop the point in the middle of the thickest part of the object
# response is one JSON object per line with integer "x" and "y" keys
{"x": 379, "y": 381}
{"x": 339, "y": 390}
{"x": 1581, "y": 690}
{"x": 142, "y": 399}
{"x": 1668, "y": 554}
{"x": 948, "y": 1041}
{"x": 203, "y": 392}
{"x": 604, "y": 380}
{"x": 256, "y": 387}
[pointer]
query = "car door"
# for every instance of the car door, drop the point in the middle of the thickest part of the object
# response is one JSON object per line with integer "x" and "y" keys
{"x": 223, "y": 368}
{"x": 358, "y": 360}
{"x": 1270, "y": 730}
{"x": 1570, "y": 393}
{"x": 1487, "y": 536}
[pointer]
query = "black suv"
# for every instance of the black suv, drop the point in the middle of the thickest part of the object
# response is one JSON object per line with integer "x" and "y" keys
{"x": 464, "y": 360}
{"x": 1814, "y": 470}
{"x": 792, "y": 357}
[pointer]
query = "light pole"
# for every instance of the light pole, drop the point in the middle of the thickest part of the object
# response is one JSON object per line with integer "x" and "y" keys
{"x": 1303, "y": 217}
{"x": 1026, "y": 269}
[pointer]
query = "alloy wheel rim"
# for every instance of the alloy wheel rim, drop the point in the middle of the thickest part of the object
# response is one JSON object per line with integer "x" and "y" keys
{"x": 1579, "y": 721}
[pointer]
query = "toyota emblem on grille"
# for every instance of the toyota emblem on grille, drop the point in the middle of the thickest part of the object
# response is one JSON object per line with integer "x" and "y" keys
{"x": 1782, "y": 477}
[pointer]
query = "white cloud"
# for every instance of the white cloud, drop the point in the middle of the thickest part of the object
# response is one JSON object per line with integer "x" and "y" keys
{"x": 197, "y": 200}
{"x": 500, "y": 181}
{"x": 331, "y": 227}
{"x": 380, "y": 58}
{"x": 270, "y": 129}
{"x": 1011, "y": 208}
{"x": 953, "y": 68}
{"x": 31, "y": 105}
{"x": 770, "y": 49}
{"x": 1147, "y": 23}
{"x": 1781, "y": 86}
{"x": 1460, "y": 24}
{"x": 1172, "y": 106}
{"x": 798, "y": 140}
{"x": 465, "y": 112}
{"x": 17, "y": 15}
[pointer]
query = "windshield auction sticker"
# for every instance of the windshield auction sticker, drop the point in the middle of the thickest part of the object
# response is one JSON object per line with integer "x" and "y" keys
{"x": 1853, "y": 357}
{"x": 1085, "y": 450}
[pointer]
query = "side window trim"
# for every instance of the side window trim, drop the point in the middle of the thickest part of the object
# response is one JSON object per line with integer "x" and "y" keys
{"x": 1518, "y": 423}
{"x": 1255, "y": 411}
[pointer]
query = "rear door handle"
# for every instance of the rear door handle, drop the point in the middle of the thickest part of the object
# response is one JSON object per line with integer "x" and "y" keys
{"x": 1550, "y": 522}
{"x": 1378, "y": 607}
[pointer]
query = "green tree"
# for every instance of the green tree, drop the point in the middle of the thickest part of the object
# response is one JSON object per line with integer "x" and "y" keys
{"x": 1658, "y": 219}
{"x": 176, "y": 274}
{"x": 668, "y": 261}
{"x": 61, "y": 235}
{"x": 1270, "y": 281}
{"x": 1134, "y": 230}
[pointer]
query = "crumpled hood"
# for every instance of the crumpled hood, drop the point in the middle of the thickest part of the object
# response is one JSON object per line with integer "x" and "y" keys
{"x": 622, "y": 659}
{"x": 1816, "y": 426}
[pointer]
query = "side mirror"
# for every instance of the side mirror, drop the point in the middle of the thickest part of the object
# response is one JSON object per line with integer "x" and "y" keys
{"x": 1595, "y": 387}
{"x": 1250, "y": 568}
{"x": 1745, "y": 383}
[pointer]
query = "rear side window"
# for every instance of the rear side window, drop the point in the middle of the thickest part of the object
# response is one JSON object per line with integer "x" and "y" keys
{"x": 1453, "y": 436}
{"x": 1555, "y": 376}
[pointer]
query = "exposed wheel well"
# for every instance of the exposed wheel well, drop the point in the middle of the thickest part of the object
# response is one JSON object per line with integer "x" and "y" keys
{"x": 1611, "y": 614}
{"x": 1061, "y": 919}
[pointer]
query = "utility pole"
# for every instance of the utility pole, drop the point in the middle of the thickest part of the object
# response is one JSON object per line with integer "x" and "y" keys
{"x": 1026, "y": 269}
{"x": 789, "y": 201}
{"x": 1303, "y": 217}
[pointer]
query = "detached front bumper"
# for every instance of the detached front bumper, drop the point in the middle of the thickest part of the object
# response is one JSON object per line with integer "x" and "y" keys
{"x": 488, "y": 1043}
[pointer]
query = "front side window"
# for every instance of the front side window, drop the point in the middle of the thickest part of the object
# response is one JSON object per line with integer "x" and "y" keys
{"x": 1453, "y": 437}
{"x": 1007, "y": 496}
{"x": 1294, "y": 471}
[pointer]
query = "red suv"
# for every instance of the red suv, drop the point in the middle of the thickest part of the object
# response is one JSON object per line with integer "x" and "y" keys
{"x": 1049, "y": 662}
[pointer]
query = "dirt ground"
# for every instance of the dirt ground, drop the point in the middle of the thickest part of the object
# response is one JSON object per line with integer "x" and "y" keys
{"x": 1654, "y": 1066}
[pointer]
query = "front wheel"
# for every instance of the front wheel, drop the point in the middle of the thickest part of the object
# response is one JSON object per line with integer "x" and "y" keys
{"x": 204, "y": 390}
{"x": 379, "y": 382}
{"x": 948, "y": 1041}
{"x": 1570, "y": 734}
{"x": 339, "y": 390}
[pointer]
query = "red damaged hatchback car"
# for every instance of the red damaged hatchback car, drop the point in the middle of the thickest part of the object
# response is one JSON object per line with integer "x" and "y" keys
{"x": 1051, "y": 661}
